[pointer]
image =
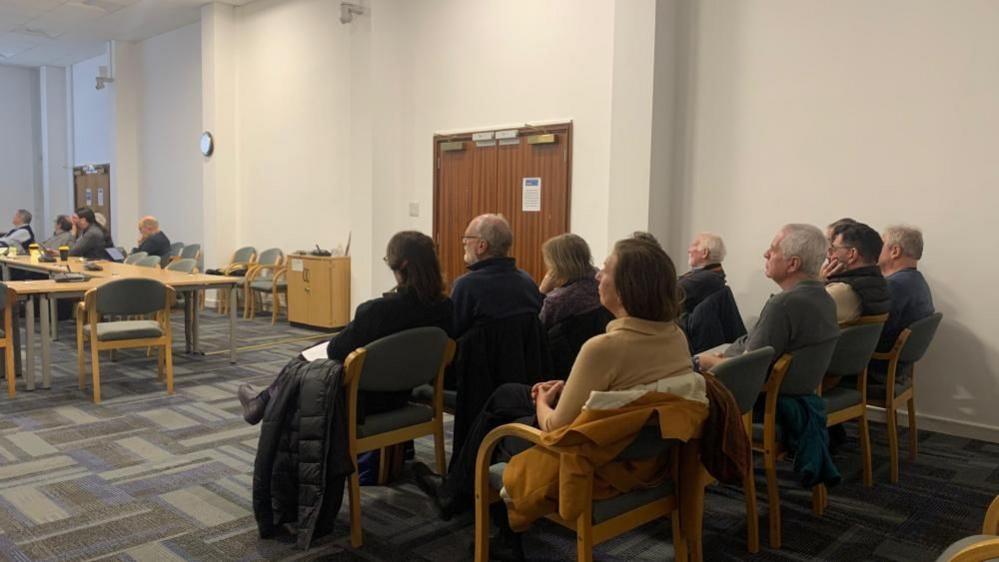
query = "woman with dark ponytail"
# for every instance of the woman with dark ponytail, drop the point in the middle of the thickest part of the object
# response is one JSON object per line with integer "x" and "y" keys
{"x": 418, "y": 300}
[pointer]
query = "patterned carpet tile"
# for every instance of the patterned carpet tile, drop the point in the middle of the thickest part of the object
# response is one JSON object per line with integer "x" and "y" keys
{"x": 147, "y": 476}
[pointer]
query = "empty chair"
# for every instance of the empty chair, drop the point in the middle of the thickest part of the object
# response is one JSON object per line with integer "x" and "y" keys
{"x": 7, "y": 302}
{"x": 794, "y": 374}
{"x": 266, "y": 276}
{"x": 148, "y": 261}
{"x": 242, "y": 260}
{"x": 127, "y": 297}
{"x": 175, "y": 249}
{"x": 910, "y": 346}
{"x": 853, "y": 352}
{"x": 743, "y": 375}
{"x": 394, "y": 363}
{"x": 191, "y": 251}
{"x": 135, "y": 256}
{"x": 183, "y": 265}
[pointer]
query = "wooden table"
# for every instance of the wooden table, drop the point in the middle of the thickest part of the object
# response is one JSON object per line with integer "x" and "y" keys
{"x": 46, "y": 291}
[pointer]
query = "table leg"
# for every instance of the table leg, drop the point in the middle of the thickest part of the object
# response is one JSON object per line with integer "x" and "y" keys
{"x": 187, "y": 323}
{"x": 29, "y": 343}
{"x": 232, "y": 324}
{"x": 195, "y": 326}
{"x": 44, "y": 334}
{"x": 6, "y": 273}
{"x": 54, "y": 315}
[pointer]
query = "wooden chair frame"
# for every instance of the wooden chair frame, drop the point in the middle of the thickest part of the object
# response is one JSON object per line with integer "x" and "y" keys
{"x": 685, "y": 507}
{"x": 7, "y": 342}
{"x": 773, "y": 451}
{"x": 222, "y": 299}
{"x": 985, "y": 549}
{"x": 353, "y": 367}
{"x": 280, "y": 269}
{"x": 859, "y": 411}
{"x": 892, "y": 402}
{"x": 88, "y": 316}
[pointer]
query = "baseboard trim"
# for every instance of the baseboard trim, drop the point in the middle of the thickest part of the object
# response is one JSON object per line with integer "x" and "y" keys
{"x": 939, "y": 424}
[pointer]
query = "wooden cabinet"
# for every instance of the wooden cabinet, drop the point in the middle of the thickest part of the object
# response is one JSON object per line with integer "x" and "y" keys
{"x": 318, "y": 291}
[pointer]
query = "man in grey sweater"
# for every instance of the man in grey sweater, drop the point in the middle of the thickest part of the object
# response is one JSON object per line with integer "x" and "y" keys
{"x": 803, "y": 313}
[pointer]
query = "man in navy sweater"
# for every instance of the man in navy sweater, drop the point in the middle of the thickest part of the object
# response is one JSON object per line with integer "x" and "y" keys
{"x": 494, "y": 288}
{"x": 911, "y": 299}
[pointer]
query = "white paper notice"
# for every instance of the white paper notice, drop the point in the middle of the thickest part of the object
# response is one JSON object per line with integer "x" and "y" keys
{"x": 531, "y": 201}
{"x": 317, "y": 351}
{"x": 297, "y": 265}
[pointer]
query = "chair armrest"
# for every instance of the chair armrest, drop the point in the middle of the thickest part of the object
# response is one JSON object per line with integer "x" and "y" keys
{"x": 986, "y": 549}
{"x": 235, "y": 267}
{"x": 881, "y": 356}
{"x": 279, "y": 274}
{"x": 991, "y": 524}
{"x": 255, "y": 272}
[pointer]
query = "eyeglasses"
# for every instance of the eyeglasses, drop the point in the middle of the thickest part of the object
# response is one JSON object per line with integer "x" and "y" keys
{"x": 834, "y": 247}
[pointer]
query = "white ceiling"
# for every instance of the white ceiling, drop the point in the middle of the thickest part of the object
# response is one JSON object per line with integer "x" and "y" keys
{"x": 63, "y": 32}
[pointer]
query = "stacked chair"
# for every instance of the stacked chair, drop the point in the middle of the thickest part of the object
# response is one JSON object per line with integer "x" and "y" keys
{"x": 267, "y": 276}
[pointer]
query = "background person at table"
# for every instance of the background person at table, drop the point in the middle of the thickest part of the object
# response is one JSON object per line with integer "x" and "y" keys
{"x": 21, "y": 236}
{"x": 151, "y": 239}
{"x": 62, "y": 235}
{"x": 91, "y": 238}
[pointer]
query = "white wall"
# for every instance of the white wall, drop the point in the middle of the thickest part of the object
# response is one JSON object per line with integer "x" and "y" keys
{"x": 91, "y": 114}
{"x": 57, "y": 171}
{"x": 293, "y": 121}
{"x": 169, "y": 129}
{"x": 885, "y": 112}
{"x": 20, "y": 157}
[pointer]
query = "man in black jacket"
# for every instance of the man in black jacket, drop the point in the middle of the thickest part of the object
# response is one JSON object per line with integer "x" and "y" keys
{"x": 151, "y": 239}
{"x": 493, "y": 289}
{"x": 706, "y": 276}
{"x": 853, "y": 278}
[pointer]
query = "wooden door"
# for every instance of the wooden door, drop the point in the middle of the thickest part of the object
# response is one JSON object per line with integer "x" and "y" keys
{"x": 92, "y": 188}
{"x": 487, "y": 176}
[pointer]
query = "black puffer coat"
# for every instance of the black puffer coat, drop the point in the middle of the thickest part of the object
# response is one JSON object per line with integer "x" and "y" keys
{"x": 302, "y": 458}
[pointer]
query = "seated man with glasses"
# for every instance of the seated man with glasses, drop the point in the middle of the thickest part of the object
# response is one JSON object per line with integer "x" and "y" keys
{"x": 857, "y": 285}
{"x": 494, "y": 288}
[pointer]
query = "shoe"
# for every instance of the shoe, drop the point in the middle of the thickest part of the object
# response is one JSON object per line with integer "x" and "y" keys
{"x": 253, "y": 404}
{"x": 432, "y": 484}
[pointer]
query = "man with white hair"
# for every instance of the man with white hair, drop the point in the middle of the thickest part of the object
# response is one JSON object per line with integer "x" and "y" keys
{"x": 911, "y": 299}
{"x": 21, "y": 236}
{"x": 706, "y": 276}
{"x": 494, "y": 288}
{"x": 803, "y": 313}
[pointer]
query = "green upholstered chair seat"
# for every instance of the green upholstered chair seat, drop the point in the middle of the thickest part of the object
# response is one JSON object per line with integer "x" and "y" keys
{"x": 840, "y": 398}
{"x": 424, "y": 394}
{"x": 128, "y": 330}
{"x": 411, "y": 414}
{"x": 758, "y": 433}
{"x": 603, "y": 510}
{"x": 957, "y": 546}
{"x": 879, "y": 391}
{"x": 267, "y": 285}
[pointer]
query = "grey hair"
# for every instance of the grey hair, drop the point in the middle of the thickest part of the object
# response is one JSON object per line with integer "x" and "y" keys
{"x": 25, "y": 215}
{"x": 713, "y": 244}
{"x": 908, "y": 238}
{"x": 495, "y": 230}
{"x": 807, "y": 243}
{"x": 150, "y": 222}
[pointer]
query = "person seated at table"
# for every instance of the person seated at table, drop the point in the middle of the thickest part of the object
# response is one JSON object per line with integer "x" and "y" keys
{"x": 151, "y": 239}
{"x": 706, "y": 276}
{"x": 62, "y": 235}
{"x": 417, "y": 301}
{"x": 803, "y": 313}
{"x": 856, "y": 285}
{"x": 91, "y": 239}
{"x": 21, "y": 236}
{"x": 642, "y": 345}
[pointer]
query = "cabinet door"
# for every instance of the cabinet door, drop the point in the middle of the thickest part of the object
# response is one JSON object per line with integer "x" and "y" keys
{"x": 298, "y": 291}
{"x": 320, "y": 294}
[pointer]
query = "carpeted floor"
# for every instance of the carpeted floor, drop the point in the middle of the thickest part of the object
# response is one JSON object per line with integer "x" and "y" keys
{"x": 146, "y": 476}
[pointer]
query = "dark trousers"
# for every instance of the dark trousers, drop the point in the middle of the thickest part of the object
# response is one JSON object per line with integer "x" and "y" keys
{"x": 509, "y": 403}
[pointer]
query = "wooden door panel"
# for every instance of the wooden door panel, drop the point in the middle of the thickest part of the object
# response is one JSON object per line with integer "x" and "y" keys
{"x": 489, "y": 179}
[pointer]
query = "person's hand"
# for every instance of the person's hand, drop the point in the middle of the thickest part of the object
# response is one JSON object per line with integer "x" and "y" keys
{"x": 709, "y": 360}
{"x": 549, "y": 394}
{"x": 541, "y": 385}
{"x": 831, "y": 267}
{"x": 548, "y": 282}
